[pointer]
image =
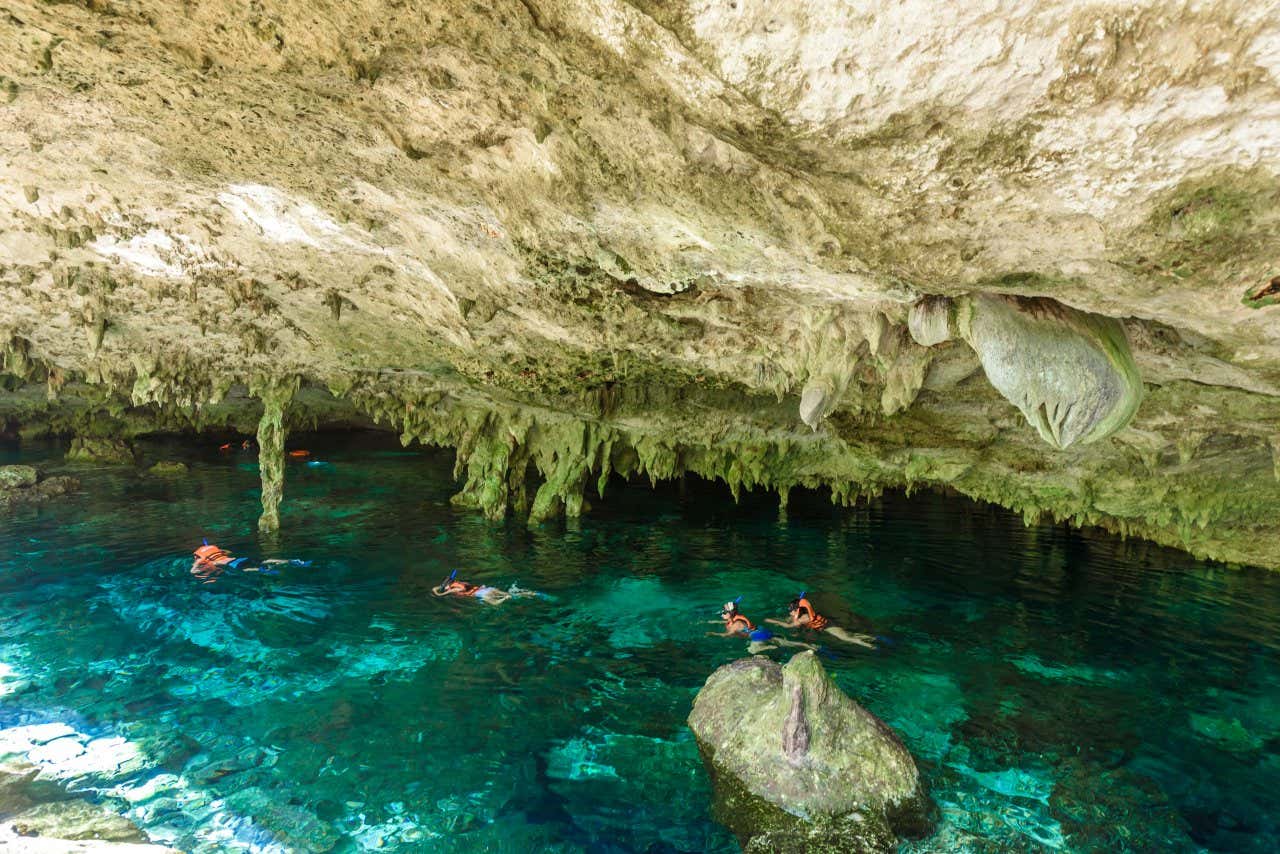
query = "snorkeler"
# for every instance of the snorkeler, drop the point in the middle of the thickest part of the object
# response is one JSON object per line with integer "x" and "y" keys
{"x": 451, "y": 586}
{"x": 802, "y": 615}
{"x": 211, "y": 561}
{"x": 736, "y": 623}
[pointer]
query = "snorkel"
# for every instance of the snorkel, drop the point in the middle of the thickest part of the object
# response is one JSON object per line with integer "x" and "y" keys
{"x": 728, "y": 609}
{"x": 446, "y": 582}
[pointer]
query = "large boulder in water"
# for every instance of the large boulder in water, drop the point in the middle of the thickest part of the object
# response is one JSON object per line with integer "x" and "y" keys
{"x": 1070, "y": 372}
{"x": 22, "y": 485}
{"x": 17, "y": 477}
{"x": 800, "y": 766}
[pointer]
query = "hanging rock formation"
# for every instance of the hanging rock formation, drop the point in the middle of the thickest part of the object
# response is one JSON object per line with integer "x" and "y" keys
{"x": 275, "y": 396}
{"x": 1070, "y": 373}
{"x": 798, "y": 765}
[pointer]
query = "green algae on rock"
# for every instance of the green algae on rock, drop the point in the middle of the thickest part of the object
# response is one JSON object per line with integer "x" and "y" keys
{"x": 799, "y": 765}
{"x": 275, "y": 396}
{"x": 21, "y": 484}
{"x": 103, "y": 451}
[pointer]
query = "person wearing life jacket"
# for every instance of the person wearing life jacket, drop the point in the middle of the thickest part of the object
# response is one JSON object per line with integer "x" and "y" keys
{"x": 211, "y": 561}
{"x": 802, "y": 615}
{"x": 736, "y": 624}
{"x": 451, "y": 586}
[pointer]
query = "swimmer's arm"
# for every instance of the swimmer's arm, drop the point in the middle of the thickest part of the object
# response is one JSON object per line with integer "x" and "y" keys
{"x": 788, "y": 624}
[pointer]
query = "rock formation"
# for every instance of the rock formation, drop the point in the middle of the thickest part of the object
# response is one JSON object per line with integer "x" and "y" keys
{"x": 573, "y": 238}
{"x": 25, "y": 485}
{"x": 798, "y": 765}
{"x": 1070, "y": 373}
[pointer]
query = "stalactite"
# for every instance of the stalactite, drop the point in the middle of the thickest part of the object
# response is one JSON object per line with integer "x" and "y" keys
{"x": 275, "y": 396}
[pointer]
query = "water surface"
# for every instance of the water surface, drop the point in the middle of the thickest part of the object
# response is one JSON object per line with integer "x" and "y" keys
{"x": 1061, "y": 690}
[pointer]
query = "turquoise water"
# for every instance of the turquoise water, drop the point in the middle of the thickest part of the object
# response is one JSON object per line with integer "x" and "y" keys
{"x": 1060, "y": 690}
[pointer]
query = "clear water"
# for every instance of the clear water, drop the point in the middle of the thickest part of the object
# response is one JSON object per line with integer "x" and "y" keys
{"x": 1060, "y": 690}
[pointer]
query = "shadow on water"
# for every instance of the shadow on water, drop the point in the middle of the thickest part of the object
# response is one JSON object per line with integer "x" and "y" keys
{"x": 1061, "y": 689}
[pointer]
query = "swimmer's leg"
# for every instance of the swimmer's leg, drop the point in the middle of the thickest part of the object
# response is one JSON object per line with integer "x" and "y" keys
{"x": 494, "y": 596}
{"x": 517, "y": 590}
{"x": 848, "y": 637}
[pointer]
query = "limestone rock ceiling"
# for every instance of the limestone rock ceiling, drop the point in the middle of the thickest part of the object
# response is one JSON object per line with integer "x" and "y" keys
{"x": 586, "y": 235}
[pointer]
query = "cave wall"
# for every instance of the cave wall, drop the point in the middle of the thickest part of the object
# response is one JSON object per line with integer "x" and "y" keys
{"x": 585, "y": 236}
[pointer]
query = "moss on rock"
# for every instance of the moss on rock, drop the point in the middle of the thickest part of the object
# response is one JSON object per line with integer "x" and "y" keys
{"x": 798, "y": 763}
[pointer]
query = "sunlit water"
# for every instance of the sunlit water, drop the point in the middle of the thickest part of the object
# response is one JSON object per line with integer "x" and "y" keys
{"x": 1060, "y": 690}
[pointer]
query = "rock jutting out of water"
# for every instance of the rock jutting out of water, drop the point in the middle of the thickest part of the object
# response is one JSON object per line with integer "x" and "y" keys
{"x": 24, "y": 485}
{"x": 101, "y": 451}
{"x": 799, "y": 765}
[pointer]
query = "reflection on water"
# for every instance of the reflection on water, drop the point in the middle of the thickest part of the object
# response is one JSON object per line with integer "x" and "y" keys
{"x": 1060, "y": 690}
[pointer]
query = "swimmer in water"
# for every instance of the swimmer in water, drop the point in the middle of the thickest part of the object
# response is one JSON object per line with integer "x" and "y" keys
{"x": 211, "y": 561}
{"x": 802, "y": 615}
{"x": 736, "y": 624}
{"x": 451, "y": 586}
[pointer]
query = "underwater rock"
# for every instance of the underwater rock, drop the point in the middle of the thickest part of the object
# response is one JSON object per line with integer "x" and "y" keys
{"x": 1097, "y": 805}
{"x": 115, "y": 452}
{"x": 800, "y": 766}
{"x": 293, "y": 826}
{"x": 76, "y": 820}
{"x": 1071, "y": 373}
{"x": 17, "y": 778}
{"x": 11, "y": 840}
{"x": 168, "y": 468}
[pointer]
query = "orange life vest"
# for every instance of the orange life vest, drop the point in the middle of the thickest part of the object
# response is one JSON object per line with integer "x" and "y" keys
{"x": 212, "y": 554}
{"x": 461, "y": 588}
{"x": 739, "y": 623}
{"x": 817, "y": 622}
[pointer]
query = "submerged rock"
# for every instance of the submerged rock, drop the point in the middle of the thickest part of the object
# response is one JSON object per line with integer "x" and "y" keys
{"x": 1070, "y": 372}
{"x": 293, "y": 826}
{"x": 76, "y": 820}
{"x": 168, "y": 468}
{"x": 11, "y": 840}
{"x": 116, "y": 452}
{"x": 800, "y": 766}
